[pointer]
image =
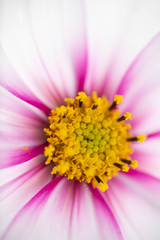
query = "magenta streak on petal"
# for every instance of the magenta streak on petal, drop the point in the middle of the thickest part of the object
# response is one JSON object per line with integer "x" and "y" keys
{"x": 148, "y": 182}
{"x": 99, "y": 198}
{"x": 19, "y": 181}
{"x": 19, "y": 156}
{"x": 118, "y": 202}
{"x": 106, "y": 79}
{"x": 141, "y": 176}
{"x": 138, "y": 120}
{"x": 83, "y": 60}
{"x": 93, "y": 81}
{"x": 76, "y": 197}
{"x": 127, "y": 80}
{"x": 104, "y": 84}
{"x": 139, "y": 96}
{"x": 26, "y": 98}
{"x": 40, "y": 199}
{"x": 154, "y": 135}
{"x": 82, "y": 73}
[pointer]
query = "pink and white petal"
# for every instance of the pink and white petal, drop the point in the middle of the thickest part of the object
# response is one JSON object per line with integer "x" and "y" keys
{"x": 149, "y": 183}
{"x": 12, "y": 82}
{"x": 38, "y": 51}
{"x": 18, "y": 189}
{"x": 105, "y": 22}
{"x": 154, "y": 135}
{"x": 66, "y": 26}
{"x": 75, "y": 32}
{"x": 19, "y": 175}
{"x": 135, "y": 202}
{"x": 61, "y": 46}
{"x": 50, "y": 27}
{"x": 142, "y": 25}
{"x": 147, "y": 154}
{"x": 66, "y": 203}
{"x": 38, "y": 218}
{"x": 141, "y": 89}
{"x": 11, "y": 173}
{"x": 145, "y": 111}
{"x": 21, "y": 126}
{"x": 116, "y": 33}
{"x": 91, "y": 217}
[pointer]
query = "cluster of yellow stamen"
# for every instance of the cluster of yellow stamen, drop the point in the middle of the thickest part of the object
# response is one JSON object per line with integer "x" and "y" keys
{"x": 89, "y": 141}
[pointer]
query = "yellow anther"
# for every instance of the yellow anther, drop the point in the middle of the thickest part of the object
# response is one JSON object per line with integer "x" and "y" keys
{"x": 70, "y": 101}
{"x": 125, "y": 168}
{"x": 134, "y": 164}
{"x": 49, "y": 159}
{"x": 88, "y": 141}
{"x": 127, "y": 116}
{"x": 103, "y": 186}
{"x": 118, "y": 99}
{"x": 49, "y": 150}
{"x": 63, "y": 132}
{"x": 141, "y": 138}
{"x": 94, "y": 96}
{"x": 63, "y": 167}
{"x": 81, "y": 96}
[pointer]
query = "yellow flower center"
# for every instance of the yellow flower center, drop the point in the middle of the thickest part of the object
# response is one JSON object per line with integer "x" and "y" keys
{"x": 89, "y": 141}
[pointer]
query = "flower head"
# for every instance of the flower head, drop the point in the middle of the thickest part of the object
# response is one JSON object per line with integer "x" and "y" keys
{"x": 74, "y": 162}
{"x": 88, "y": 141}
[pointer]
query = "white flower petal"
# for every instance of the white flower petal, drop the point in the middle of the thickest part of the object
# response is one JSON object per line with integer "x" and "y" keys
{"x": 141, "y": 89}
{"x": 147, "y": 154}
{"x": 57, "y": 46}
{"x": 38, "y": 51}
{"x": 70, "y": 205}
{"x": 21, "y": 127}
{"x": 19, "y": 187}
{"x": 11, "y": 81}
{"x": 91, "y": 216}
{"x": 117, "y": 31}
{"x": 135, "y": 201}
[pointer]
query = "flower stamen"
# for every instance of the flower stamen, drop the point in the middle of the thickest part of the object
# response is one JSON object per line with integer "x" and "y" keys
{"x": 125, "y": 117}
{"x": 117, "y": 100}
{"x": 98, "y": 179}
{"x": 139, "y": 138}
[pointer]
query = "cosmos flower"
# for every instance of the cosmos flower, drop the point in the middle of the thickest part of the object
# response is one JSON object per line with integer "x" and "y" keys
{"x": 51, "y": 50}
